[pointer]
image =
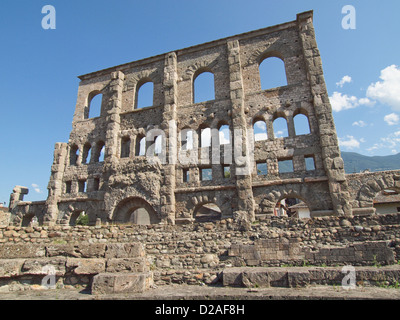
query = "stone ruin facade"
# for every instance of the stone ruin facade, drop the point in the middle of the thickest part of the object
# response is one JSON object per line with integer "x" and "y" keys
{"x": 128, "y": 179}
{"x": 145, "y": 184}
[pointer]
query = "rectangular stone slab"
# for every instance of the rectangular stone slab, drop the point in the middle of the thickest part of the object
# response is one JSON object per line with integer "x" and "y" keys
{"x": 107, "y": 283}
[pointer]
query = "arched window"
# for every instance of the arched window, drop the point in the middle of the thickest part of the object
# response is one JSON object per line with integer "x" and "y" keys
{"x": 125, "y": 147}
{"x": 224, "y": 135}
{"x": 94, "y": 104}
{"x": 205, "y": 138}
{"x": 75, "y": 217}
{"x": 27, "y": 219}
{"x": 272, "y": 73}
{"x": 73, "y": 154}
{"x": 86, "y": 152}
{"x": 140, "y": 149}
{"x": 203, "y": 87}
{"x": 207, "y": 212}
{"x": 292, "y": 207}
{"x": 301, "y": 124}
{"x": 144, "y": 94}
{"x": 158, "y": 145}
{"x": 187, "y": 139}
{"x": 98, "y": 152}
{"x": 260, "y": 130}
{"x": 280, "y": 127}
{"x": 135, "y": 211}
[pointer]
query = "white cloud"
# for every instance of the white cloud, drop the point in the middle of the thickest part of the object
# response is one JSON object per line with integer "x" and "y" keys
{"x": 392, "y": 119}
{"x": 391, "y": 141}
{"x": 260, "y": 136}
{"x": 261, "y": 125}
{"x": 374, "y": 147}
{"x": 349, "y": 142}
{"x": 387, "y": 90}
{"x": 345, "y": 79}
{"x": 224, "y": 136}
{"x": 36, "y": 188}
{"x": 366, "y": 101}
{"x": 359, "y": 123}
{"x": 341, "y": 102}
{"x": 279, "y": 134}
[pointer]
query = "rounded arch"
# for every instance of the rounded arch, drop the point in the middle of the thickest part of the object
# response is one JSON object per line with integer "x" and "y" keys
{"x": 292, "y": 205}
{"x": 301, "y": 122}
{"x": 97, "y": 154}
{"x": 260, "y": 129}
{"x": 27, "y": 219}
{"x": 207, "y": 212}
{"x": 187, "y": 138}
{"x": 224, "y": 133}
{"x": 204, "y": 136}
{"x": 144, "y": 93}
{"x": 203, "y": 85}
{"x": 280, "y": 125}
{"x": 73, "y": 154}
{"x": 73, "y": 218}
{"x": 270, "y": 54}
{"x": 140, "y": 145}
{"x": 86, "y": 152}
{"x": 135, "y": 210}
{"x": 94, "y": 103}
{"x": 271, "y": 66}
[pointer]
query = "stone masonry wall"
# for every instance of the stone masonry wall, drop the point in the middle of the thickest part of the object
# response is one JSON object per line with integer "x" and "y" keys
{"x": 199, "y": 252}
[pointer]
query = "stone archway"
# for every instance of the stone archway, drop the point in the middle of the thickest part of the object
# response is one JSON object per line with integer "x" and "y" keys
{"x": 292, "y": 206}
{"x": 366, "y": 186}
{"x": 135, "y": 211}
{"x": 207, "y": 212}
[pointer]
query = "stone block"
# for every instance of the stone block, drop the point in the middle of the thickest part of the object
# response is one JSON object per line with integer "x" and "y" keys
{"x": 10, "y": 268}
{"x": 124, "y": 250}
{"x": 26, "y": 250}
{"x": 298, "y": 279}
{"x": 85, "y": 266}
{"x": 108, "y": 283}
{"x": 127, "y": 265}
{"x": 42, "y": 266}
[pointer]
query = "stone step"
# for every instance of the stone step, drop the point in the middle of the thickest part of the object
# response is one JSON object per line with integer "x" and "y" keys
{"x": 63, "y": 266}
{"x": 291, "y": 277}
{"x": 108, "y": 283}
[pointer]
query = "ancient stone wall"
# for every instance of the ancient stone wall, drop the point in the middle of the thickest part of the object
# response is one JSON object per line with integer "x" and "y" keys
{"x": 108, "y": 172}
{"x": 135, "y": 163}
{"x": 198, "y": 253}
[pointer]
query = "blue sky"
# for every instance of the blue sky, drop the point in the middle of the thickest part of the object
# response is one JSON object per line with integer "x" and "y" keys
{"x": 39, "y": 68}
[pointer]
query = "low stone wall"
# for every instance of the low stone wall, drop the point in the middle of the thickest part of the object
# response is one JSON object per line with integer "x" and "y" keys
{"x": 197, "y": 253}
{"x": 301, "y": 277}
{"x": 26, "y": 265}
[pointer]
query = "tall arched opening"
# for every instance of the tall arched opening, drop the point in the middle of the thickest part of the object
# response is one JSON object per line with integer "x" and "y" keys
{"x": 135, "y": 211}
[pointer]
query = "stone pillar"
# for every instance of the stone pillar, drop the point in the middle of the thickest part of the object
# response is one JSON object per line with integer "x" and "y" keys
{"x": 168, "y": 125}
{"x": 18, "y": 195}
{"x": 55, "y": 184}
{"x": 331, "y": 157}
{"x": 243, "y": 164}
{"x": 113, "y": 110}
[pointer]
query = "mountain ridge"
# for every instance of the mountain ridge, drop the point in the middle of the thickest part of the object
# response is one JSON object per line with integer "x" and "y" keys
{"x": 355, "y": 162}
